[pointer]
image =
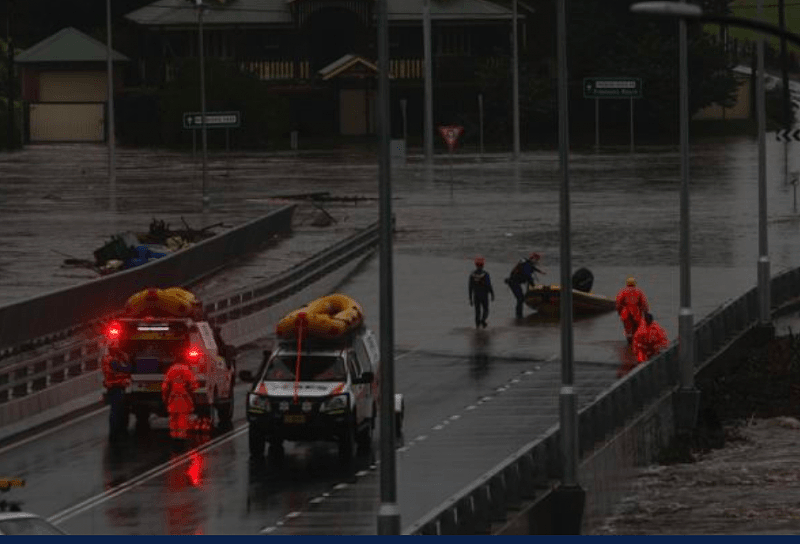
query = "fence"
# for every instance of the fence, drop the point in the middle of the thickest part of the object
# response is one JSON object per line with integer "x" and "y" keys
{"x": 535, "y": 469}
{"x": 39, "y": 383}
{"x": 59, "y": 314}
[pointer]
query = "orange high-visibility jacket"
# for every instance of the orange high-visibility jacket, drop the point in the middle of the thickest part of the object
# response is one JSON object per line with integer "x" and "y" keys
{"x": 177, "y": 388}
{"x": 649, "y": 340}
{"x": 631, "y": 301}
{"x": 113, "y": 366}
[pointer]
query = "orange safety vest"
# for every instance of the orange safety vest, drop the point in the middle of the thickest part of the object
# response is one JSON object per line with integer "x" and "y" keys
{"x": 114, "y": 367}
{"x": 631, "y": 303}
{"x": 177, "y": 388}
{"x": 649, "y": 340}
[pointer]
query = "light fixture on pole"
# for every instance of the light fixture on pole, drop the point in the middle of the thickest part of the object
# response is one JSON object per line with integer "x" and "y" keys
{"x": 388, "y": 512}
{"x": 764, "y": 314}
{"x": 569, "y": 496}
{"x": 201, "y": 55}
{"x": 112, "y": 174}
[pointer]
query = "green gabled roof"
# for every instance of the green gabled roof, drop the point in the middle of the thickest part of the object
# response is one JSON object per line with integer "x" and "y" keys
{"x": 255, "y": 12}
{"x": 68, "y": 45}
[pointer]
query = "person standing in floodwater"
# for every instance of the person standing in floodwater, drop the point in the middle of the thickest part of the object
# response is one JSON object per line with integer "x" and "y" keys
{"x": 479, "y": 289}
{"x": 523, "y": 273}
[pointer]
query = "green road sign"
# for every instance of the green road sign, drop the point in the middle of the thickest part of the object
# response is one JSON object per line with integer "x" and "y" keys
{"x": 214, "y": 119}
{"x": 612, "y": 87}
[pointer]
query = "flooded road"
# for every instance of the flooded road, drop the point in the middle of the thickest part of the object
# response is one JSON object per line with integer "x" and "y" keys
{"x": 624, "y": 222}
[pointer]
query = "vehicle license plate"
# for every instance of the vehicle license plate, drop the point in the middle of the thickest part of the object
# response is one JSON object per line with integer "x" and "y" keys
{"x": 294, "y": 418}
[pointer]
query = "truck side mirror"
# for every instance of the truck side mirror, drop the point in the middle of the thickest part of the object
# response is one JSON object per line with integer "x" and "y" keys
{"x": 246, "y": 376}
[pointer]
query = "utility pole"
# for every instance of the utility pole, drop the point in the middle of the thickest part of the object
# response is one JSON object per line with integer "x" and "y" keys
{"x": 112, "y": 176}
{"x": 11, "y": 144}
{"x": 201, "y": 55}
{"x": 787, "y": 105}
{"x": 515, "y": 82}
{"x": 428, "y": 54}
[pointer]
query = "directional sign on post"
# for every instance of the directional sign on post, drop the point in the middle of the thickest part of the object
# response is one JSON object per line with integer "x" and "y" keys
{"x": 218, "y": 119}
{"x": 789, "y": 134}
{"x": 451, "y": 134}
{"x": 612, "y": 87}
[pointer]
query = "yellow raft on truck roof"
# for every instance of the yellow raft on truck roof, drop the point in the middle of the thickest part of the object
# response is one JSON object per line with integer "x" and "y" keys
{"x": 170, "y": 302}
{"x": 328, "y": 317}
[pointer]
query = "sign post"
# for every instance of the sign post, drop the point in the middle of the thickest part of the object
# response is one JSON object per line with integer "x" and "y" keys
{"x": 611, "y": 87}
{"x": 450, "y": 134}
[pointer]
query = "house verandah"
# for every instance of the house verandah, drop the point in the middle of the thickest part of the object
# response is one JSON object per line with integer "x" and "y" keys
{"x": 322, "y": 53}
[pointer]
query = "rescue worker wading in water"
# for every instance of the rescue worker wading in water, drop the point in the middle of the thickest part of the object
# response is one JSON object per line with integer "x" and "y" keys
{"x": 480, "y": 287}
{"x": 176, "y": 391}
{"x": 523, "y": 274}
{"x": 649, "y": 339}
{"x": 631, "y": 304}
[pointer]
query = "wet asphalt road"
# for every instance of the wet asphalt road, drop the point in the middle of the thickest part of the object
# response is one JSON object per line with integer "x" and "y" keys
{"x": 625, "y": 221}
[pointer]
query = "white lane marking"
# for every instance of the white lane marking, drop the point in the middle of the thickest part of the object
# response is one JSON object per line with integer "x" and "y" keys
{"x": 291, "y": 515}
{"x": 421, "y": 437}
{"x": 342, "y": 485}
{"x": 362, "y": 473}
{"x": 267, "y": 530}
{"x": 316, "y": 500}
{"x": 471, "y": 407}
{"x": 455, "y": 417}
{"x": 109, "y": 494}
{"x": 402, "y": 449}
{"x": 438, "y": 428}
{"x": 59, "y": 427}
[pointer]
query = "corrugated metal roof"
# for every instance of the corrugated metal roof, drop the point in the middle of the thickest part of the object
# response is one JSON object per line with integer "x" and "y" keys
{"x": 68, "y": 45}
{"x": 249, "y": 12}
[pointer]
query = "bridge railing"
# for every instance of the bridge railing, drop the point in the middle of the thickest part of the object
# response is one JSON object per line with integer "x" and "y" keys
{"x": 536, "y": 468}
{"x": 82, "y": 355}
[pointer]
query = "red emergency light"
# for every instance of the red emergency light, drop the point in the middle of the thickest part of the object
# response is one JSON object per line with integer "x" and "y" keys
{"x": 193, "y": 354}
{"x": 114, "y": 330}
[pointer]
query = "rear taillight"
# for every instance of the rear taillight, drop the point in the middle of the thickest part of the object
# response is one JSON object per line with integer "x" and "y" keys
{"x": 193, "y": 354}
{"x": 113, "y": 331}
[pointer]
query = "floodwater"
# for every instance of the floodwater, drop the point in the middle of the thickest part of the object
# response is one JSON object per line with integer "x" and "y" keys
{"x": 624, "y": 221}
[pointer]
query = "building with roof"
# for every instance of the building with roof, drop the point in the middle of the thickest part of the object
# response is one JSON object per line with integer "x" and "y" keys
{"x": 322, "y": 53}
{"x": 64, "y": 81}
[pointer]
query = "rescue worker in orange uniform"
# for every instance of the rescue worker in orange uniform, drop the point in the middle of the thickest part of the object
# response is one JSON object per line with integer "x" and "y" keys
{"x": 176, "y": 391}
{"x": 116, "y": 368}
{"x": 631, "y": 304}
{"x": 649, "y": 339}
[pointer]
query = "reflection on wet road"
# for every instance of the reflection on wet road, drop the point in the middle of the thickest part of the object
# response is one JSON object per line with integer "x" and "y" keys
{"x": 472, "y": 397}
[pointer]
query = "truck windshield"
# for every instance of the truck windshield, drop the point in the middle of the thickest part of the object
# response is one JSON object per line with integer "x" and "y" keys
{"x": 320, "y": 368}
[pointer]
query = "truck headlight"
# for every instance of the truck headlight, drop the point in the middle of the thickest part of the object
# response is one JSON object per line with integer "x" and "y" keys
{"x": 258, "y": 402}
{"x": 339, "y": 402}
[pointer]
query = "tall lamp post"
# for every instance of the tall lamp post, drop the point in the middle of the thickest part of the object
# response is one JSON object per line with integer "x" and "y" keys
{"x": 389, "y": 512}
{"x": 112, "y": 174}
{"x": 569, "y": 496}
{"x": 428, "y": 62}
{"x": 515, "y": 82}
{"x": 201, "y": 55}
{"x": 10, "y": 144}
{"x": 689, "y": 11}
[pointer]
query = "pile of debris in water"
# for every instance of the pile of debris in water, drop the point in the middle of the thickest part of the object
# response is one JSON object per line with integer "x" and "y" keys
{"x": 127, "y": 249}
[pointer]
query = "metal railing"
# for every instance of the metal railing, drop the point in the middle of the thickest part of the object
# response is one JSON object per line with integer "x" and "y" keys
{"x": 82, "y": 355}
{"x": 536, "y": 468}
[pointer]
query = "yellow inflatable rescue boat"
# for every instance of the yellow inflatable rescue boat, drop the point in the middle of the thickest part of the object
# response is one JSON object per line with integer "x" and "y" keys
{"x": 170, "y": 302}
{"x": 327, "y": 317}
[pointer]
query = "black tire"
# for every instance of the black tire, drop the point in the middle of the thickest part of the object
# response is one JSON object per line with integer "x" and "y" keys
{"x": 118, "y": 414}
{"x": 347, "y": 442}
{"x": 142, "y": 415}
{"x": 364, "y": 437}
{"x": 256, "y": 441}
{"x": 225, "y": 411}
{"x": 398, "y": 424}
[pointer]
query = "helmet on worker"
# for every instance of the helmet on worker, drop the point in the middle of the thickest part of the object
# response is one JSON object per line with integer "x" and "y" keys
{"x": 631, "y": 281}
{"x": 534, "y": 256}
{"x": 480, "y": 261}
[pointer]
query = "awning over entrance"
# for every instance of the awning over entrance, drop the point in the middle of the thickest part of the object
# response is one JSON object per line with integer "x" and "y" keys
{"x": 350, "y": 66}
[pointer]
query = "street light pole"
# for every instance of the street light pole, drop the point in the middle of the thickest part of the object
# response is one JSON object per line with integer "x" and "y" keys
{"x": 764, "y": 316}
{"x": 201, "y": 54}
{"x": 10, "y": 144}
{"x": 428, "y": 61}
{"x": 389, "y": 512}
{"x": 112, "y": 174}
{"x": 569, "y": 497}
{"x": 515, "y": 83}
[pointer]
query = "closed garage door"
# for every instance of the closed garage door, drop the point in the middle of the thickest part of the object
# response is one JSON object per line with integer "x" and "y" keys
{"x": 56, "y": 122}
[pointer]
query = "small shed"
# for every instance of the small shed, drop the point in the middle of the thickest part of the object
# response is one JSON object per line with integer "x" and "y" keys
{"x": 64, "y": 79}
